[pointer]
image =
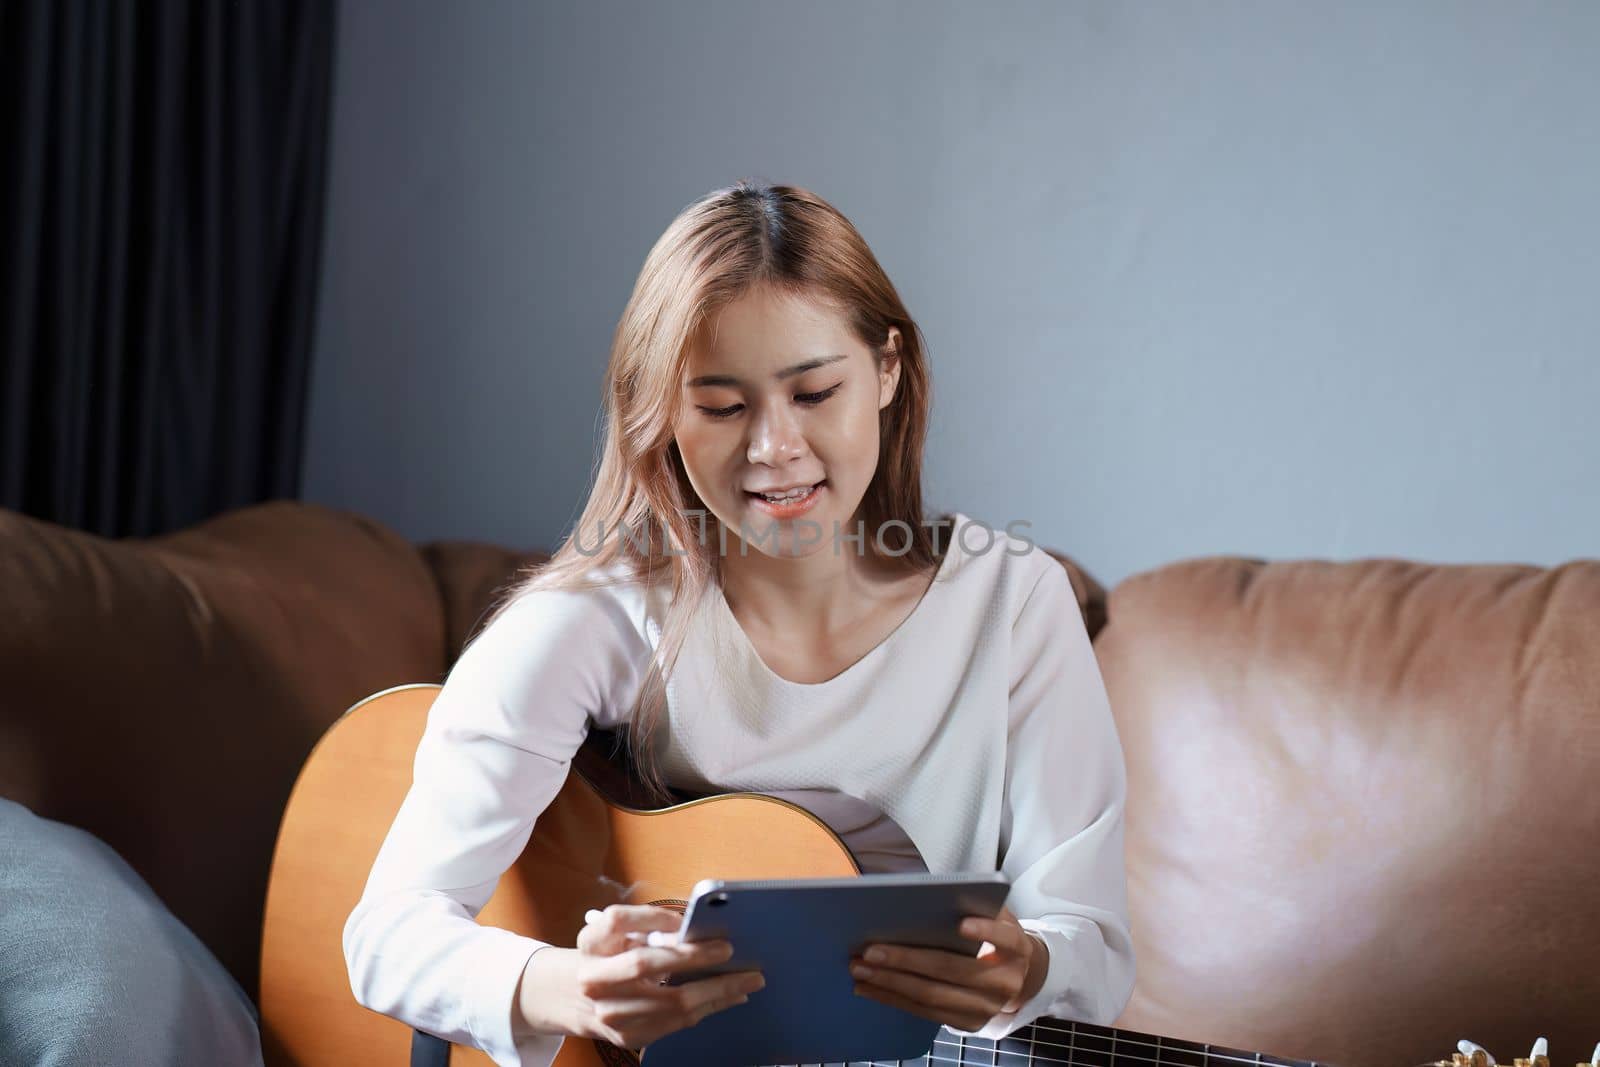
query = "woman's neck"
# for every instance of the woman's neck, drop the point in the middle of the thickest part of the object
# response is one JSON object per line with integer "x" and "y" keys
{"x": 825, "y": 592}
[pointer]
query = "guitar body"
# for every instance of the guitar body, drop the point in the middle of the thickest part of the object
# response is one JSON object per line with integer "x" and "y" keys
{"x": 590, "y": 844}
{"x": 597, "y": 843}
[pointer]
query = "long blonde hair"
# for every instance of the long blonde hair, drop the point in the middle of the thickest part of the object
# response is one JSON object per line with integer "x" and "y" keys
{"x": 713, "y": 252}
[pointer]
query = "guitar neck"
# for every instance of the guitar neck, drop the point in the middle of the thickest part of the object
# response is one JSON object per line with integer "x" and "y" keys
{"x": 1060, "y": 1043}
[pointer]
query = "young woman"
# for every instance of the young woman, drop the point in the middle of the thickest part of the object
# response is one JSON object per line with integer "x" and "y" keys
{"x": 790, "y": 625}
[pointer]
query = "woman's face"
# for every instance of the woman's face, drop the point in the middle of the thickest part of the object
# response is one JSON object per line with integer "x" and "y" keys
{"x": 780, "y": 397}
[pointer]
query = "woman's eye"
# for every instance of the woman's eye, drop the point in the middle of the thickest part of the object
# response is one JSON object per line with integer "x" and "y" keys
{"x": 817, "y": 398}
{"x": 804, "y": 398}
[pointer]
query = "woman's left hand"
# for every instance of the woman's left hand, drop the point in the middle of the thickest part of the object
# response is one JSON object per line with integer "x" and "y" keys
{"x": 958, "y": 991}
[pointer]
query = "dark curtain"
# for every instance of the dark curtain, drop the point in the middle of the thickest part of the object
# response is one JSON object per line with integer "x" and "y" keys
{"x": 163, "y": 168}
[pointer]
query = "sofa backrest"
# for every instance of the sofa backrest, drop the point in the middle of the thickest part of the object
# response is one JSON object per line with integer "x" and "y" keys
{"x": 163, "y": 694}
{"x": 1363, "y": 814}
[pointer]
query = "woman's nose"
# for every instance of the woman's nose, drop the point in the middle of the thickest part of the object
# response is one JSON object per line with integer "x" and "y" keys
{"x": 775, "y": 437}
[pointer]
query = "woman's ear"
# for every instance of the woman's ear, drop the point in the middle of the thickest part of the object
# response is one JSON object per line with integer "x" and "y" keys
{"x": 889, "y": 369}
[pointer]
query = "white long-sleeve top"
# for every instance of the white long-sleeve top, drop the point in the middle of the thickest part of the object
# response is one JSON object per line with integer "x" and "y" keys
{"x": 978, "y": 730}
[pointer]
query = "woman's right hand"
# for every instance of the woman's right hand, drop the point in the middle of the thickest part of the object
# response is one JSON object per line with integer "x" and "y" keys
{"x": 615, "y": 984}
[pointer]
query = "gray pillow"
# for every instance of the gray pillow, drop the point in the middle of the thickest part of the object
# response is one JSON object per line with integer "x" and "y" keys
{"x": 95, "y": 969}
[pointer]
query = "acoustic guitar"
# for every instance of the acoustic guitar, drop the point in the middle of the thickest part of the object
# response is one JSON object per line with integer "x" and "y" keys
{"x": 598, "y": 843}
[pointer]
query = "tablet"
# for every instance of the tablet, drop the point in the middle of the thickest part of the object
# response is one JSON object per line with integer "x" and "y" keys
{"x": 801, "y": 933}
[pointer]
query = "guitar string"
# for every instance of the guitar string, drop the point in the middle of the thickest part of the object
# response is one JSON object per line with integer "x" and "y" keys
{"x": 1032, "y": 1058}
{"x": 1091, "y": 1059}
{"x": 1128, "y": 1056}
{"x": 1097, "y": 1060}
{"x": 1206, "y": 1056}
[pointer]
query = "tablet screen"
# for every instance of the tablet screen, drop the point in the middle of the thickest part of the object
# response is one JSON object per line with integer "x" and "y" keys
{"x": 801, "y": 933}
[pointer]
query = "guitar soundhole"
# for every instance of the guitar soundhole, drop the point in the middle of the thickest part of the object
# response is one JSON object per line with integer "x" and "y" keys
{"x": 679, "y": 906}
{"x": 610, "y": 1054}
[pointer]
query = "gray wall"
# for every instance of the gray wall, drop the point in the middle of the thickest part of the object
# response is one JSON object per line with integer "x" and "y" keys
{"x": 1277, "y": 279}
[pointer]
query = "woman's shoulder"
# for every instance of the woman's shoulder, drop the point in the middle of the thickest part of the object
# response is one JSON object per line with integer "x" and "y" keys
{"x": 547, "y": 649}
{"x": 607, "y": 607}
{"x": 1002, "y": 565}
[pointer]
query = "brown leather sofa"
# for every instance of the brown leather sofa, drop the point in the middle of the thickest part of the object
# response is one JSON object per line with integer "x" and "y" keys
{"x": 1363, "y": 817}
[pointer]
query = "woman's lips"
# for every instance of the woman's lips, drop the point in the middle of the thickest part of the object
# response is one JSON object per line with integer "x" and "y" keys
{"x": 789, "y": 509}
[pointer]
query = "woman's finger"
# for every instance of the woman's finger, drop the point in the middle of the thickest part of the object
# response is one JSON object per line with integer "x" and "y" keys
{"x": 710, "y": 993}
{"x": 642, "y": 966}
{"x": 639, "y": 917}
{"x": 936, "y": 995}
{"x": 1003, "y": 934}
{"x": 606, "y": 932}
{"x": 936, "y": 963}
{"x": 962, "y": 1020}
{"x": 620, "y": 1009}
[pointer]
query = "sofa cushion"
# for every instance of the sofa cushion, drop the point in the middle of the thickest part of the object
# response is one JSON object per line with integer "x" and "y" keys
{"x": 1362, "y": 813}
{"x": 95, "y": 969}
{"x": 163, "y": 694}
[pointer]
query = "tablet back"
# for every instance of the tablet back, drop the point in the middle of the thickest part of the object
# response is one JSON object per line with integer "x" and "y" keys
{"x": 801, "y": 934}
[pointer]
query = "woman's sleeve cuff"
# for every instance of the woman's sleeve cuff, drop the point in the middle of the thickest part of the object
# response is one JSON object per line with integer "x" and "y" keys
{"x": 505, "y": 958}
{"x": 1058, "y": 977}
